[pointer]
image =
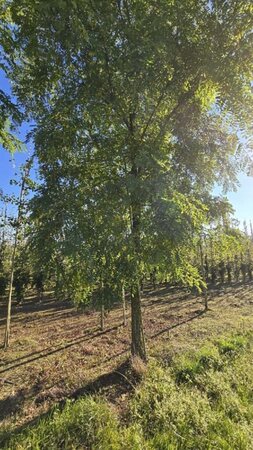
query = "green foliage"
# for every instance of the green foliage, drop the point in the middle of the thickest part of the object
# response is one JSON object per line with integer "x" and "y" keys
{"x": 20, "y": 282}
{"x": 3, "y": 283}
{"x": 137, "y": 106}
{"x": 129, "y": 130}
{"x": 22, "y": 270}
{"x": 10, "y": 115}
{"x": 3, "y": 269}
{"x": 224, "y": 243}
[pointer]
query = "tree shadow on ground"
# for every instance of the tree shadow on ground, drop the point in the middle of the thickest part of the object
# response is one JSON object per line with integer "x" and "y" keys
{"x": 120, "y": 381}
{"x": 33, "y": 307}
{"x": 114, "y": 384}
{"x": 31, "y": 357}
{"x": 90, "y": 334}
{"x": 13, "y": 403}
{"x": 196, "y": 315}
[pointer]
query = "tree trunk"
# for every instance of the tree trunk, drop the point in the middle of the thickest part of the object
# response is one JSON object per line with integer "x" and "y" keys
{"x": 8, "y": 319}
{"x": 138, "y": 341}
{"x": 102, "y": 317}
{"x": 22, "y": 192}
{"x": 205, "y": 299}
{"x": 124, "y": 306}
{"x": 203, "y": 275}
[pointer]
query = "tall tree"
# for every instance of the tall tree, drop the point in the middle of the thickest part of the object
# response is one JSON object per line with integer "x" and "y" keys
{"x": 148, "y": 95}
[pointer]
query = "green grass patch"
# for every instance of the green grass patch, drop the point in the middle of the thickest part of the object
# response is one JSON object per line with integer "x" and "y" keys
{"x": 203, "y": 401}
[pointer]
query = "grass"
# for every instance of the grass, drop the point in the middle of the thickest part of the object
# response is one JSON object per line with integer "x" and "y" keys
{"x": 57, "y": 352}
{"x": 202, "y": 400}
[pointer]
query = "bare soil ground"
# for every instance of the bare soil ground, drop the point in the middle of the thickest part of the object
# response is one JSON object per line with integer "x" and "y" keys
{"x": 57, "y": 352}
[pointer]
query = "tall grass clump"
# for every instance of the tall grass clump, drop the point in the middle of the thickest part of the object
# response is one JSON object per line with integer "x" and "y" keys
{"x": 86, "y": 423}
{"x": 203, "y": 401}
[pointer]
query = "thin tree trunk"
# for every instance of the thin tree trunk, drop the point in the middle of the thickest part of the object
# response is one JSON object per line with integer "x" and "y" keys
{"x": 102, "y": 310}
{"x": 21, "y": 196}
{"x": 205, "y": 299}
{"x": 138, "y": 341}
{"x": 8, "y": 319}
{"x": 203, "y": 275}
{"x": 102, "y": 317}
{"x": 124, "y": 306}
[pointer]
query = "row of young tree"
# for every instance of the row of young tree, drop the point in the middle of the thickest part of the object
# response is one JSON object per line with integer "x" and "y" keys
{"x": 138, "y": 109}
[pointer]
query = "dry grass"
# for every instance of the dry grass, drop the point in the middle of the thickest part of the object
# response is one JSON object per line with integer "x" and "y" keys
{"x": 56, "y": 352}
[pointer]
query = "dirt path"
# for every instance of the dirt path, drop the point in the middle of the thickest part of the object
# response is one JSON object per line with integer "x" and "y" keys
{"x": 57, "y": 352}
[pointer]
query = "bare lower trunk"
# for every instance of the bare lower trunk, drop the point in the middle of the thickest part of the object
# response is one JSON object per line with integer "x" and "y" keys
{"x": 203, "y": 275}
{"x": 124, "y": 306}
{"x": 102, "y": 317}
{"x": 8, "y": 318}
{"x": 205, "y": 299}
{"x": 138, "y": 341}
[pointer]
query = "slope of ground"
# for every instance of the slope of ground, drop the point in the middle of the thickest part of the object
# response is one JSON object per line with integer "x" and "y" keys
{"x": 57, "y": 352}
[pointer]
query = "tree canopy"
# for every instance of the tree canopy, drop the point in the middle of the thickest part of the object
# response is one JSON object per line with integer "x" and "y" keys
{"x": 140, "y": 107}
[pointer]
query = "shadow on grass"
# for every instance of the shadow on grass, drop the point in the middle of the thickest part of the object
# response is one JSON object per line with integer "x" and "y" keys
{"x": 90, "y": 335}
{"x": 197, "y": 314}
{"x": 114, "y": 384}
{"x": 120, "y": 381}
{"x": 13, "y": 403}
{"x": 26, "y": 359}
{"x": 33, "y": 307}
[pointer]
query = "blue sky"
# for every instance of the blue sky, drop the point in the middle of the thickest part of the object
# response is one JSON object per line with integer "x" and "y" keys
{"x": 10, "y": 164}
{"x": 242, "y": 199}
